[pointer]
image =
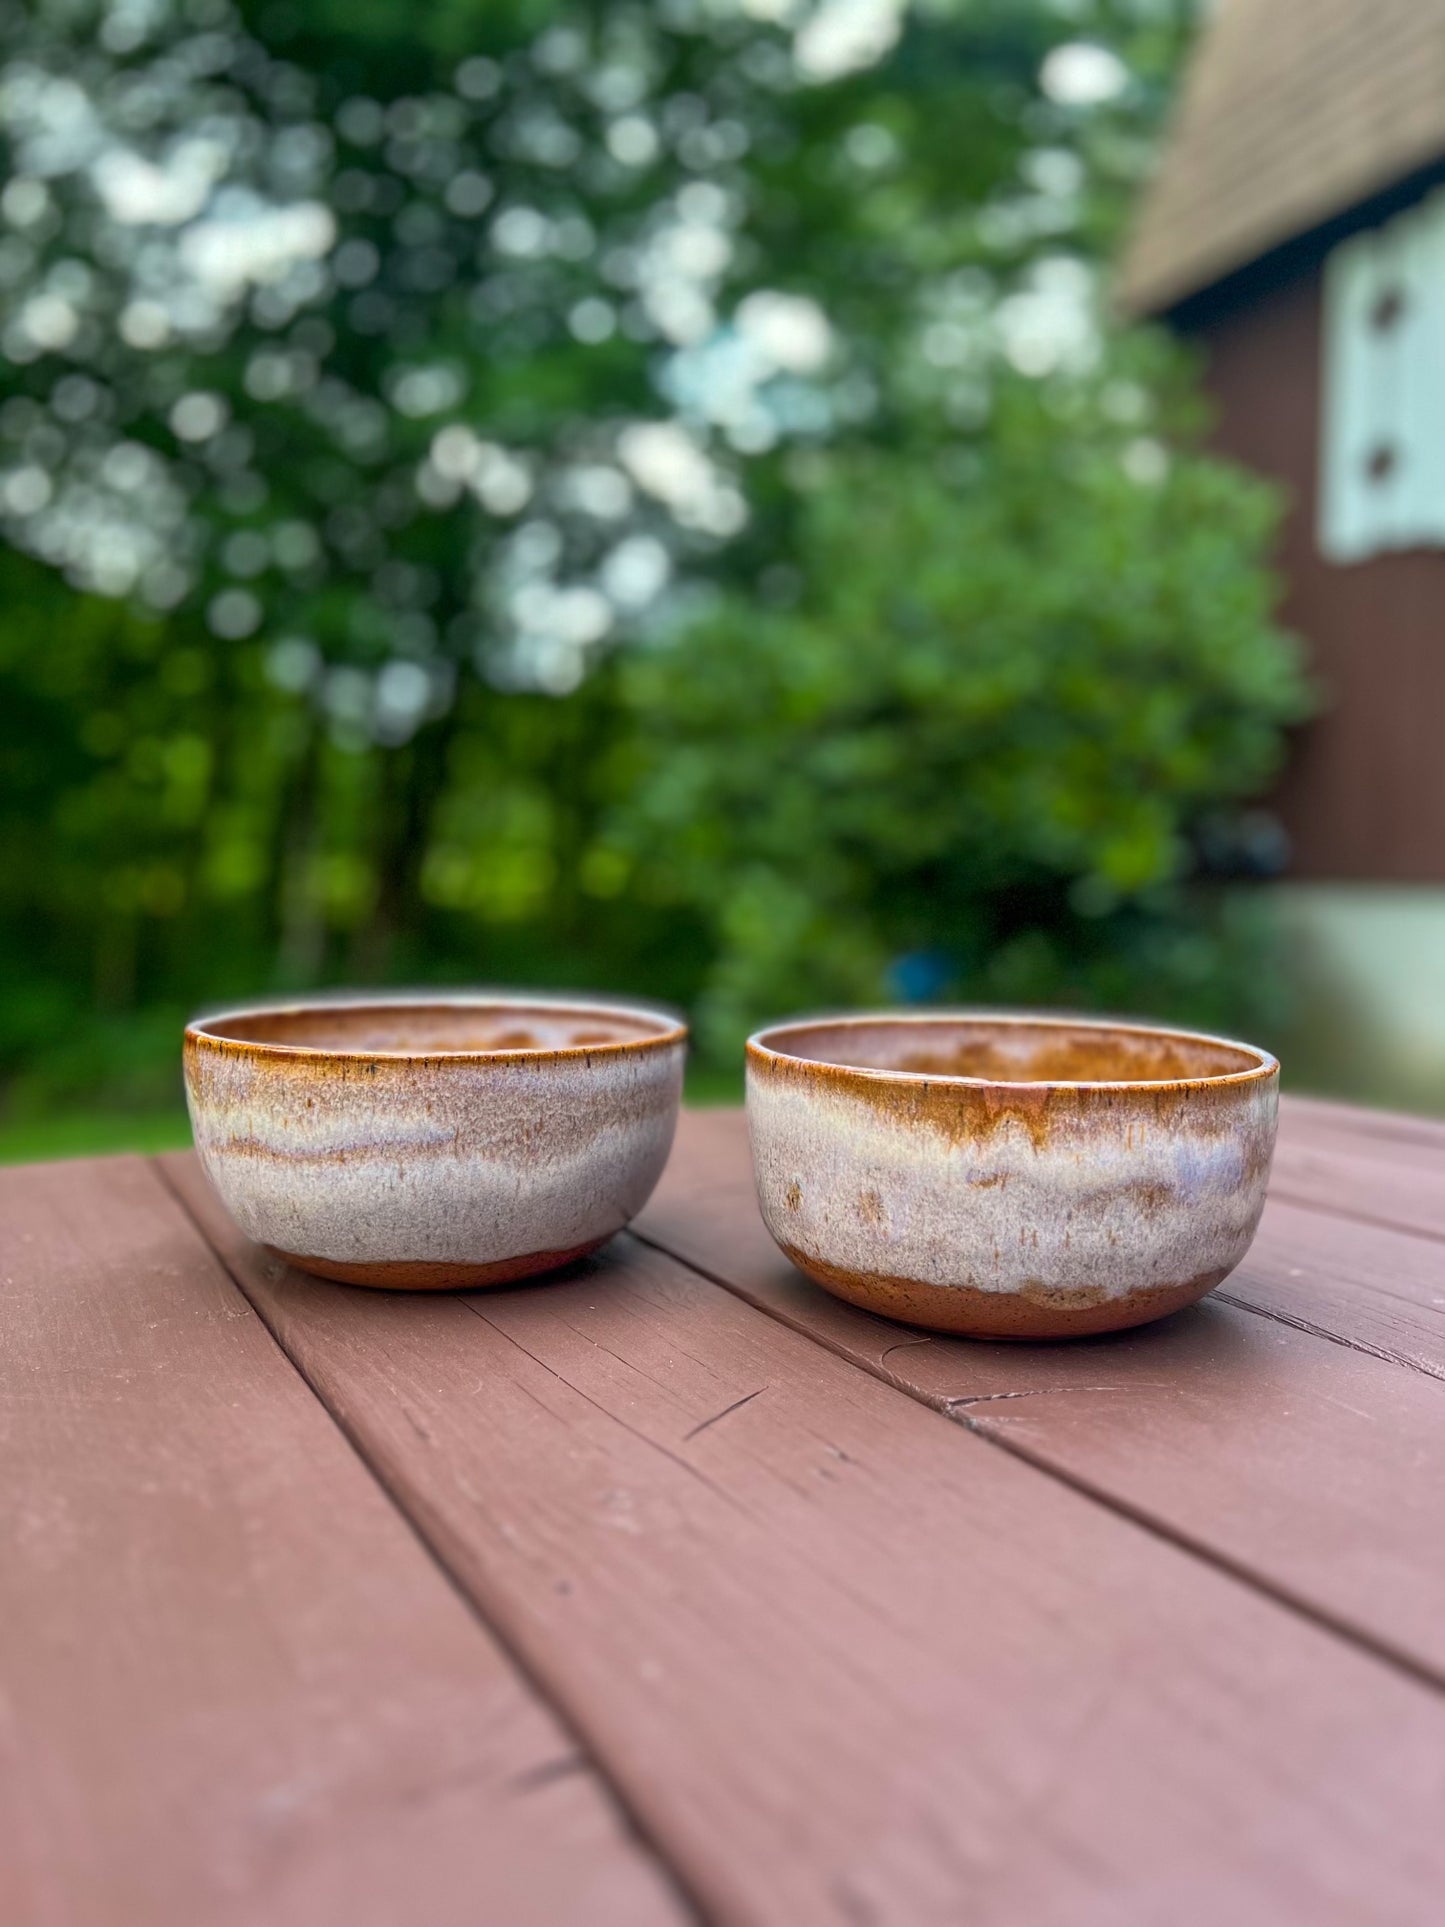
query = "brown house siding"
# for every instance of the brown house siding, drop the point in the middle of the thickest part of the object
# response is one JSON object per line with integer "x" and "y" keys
{"x": 1364, "y": 797}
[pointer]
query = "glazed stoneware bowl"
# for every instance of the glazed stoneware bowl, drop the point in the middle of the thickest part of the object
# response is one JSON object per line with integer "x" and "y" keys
{"x": 426, "y": 1144}
{"x": 1010, "y": 1177}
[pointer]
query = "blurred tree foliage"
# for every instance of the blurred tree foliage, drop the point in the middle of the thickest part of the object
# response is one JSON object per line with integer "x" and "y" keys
{"x": 977, "y": 752}
{"x": 639, "y": 495}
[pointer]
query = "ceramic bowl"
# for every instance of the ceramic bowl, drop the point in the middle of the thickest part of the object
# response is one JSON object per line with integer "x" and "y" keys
{"x": 1010, "y": 1177}
{"x": 424, "y": 1144}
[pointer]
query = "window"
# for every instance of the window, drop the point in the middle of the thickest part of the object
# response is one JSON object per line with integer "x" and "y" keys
{"x": 1382, "y": 467}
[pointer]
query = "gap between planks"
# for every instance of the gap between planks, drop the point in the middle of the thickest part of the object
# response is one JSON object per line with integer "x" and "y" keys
{"x": 1385, "y": 1355}
{"x": 226, "y": 1660}
{"x": 1312, "y": 1127}
{"x": 890, "y": 1718}
{"x": 956, "y": 1411}
{"x": 1378, "y": 1322}
{"x": 585, "y": 1756}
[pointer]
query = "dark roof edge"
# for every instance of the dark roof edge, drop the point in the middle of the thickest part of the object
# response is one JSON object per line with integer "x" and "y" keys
{"x": 1298, "y": 255}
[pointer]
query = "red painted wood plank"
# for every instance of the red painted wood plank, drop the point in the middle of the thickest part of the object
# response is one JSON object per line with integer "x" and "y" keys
{"x": 1378, "y": 1166}
{"x": 1376, "y": 1289}
{"x": 1375, "y": 1184}
{"x": 1317, "y": 1116}
{"x": 1378, "y": 1281}
{"x": 234, "y": 1688}
{"x": 848, "y": 1662}
{"x": 1306, "y": 1463}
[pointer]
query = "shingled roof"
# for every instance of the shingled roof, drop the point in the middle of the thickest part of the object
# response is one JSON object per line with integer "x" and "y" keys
{"x": 1293, "y": 111}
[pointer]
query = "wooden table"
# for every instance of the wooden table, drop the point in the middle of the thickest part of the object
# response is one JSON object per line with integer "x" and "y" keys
{"x": 673, "y": 1590}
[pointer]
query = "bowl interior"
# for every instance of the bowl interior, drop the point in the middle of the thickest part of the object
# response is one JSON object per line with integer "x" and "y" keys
{"x": 1015, "y": 1050}
{"x": 441, "y": 1028}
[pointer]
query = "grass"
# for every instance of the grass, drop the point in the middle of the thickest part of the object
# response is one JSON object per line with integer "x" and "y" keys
{"x": 82, "y": 1134}
{"x": 87, "y": 1133}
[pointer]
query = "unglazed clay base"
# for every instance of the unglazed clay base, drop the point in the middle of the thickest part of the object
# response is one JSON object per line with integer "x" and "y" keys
{"x": 400, "y": 1274}
{"x": 969, "y": 1313}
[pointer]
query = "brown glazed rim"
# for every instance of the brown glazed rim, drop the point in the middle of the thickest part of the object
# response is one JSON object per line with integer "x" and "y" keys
{"x": 759, "y": 1046}
{"x": 199, "y": 1032}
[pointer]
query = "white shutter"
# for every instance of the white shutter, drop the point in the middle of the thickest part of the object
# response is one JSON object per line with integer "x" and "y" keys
{"x": 1382, "y": 466}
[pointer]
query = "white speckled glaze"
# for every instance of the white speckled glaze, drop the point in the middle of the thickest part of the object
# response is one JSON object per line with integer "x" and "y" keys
{"x": 455, "y": 1141}
{"x": 1010, "y": 1177}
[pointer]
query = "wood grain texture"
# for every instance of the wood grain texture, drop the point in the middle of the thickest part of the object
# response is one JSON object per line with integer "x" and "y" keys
{"x": 1381, "y": 1169}
{"x": 1377, "y": 1290}
{"x": 1309, "y": 1464}
{"x": 234, "y": 1688}
{"x": 849, "y": 1663}
{"x": 1377, "y": 1282}
{"x": 1357, "y": 1123}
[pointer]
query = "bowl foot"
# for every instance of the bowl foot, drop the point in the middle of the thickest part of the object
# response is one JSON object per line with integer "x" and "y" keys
{"x": 426, "y": 1274}
{"x": 1034, "y": 1313}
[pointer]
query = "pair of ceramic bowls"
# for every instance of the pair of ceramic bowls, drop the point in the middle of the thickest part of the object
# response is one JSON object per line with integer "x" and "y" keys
{"x": 1003, "y": 1177}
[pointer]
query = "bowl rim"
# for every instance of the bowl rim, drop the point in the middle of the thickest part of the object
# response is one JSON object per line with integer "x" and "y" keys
{"x": 759, "y": 1047}
{"x": 671, "y": 1029}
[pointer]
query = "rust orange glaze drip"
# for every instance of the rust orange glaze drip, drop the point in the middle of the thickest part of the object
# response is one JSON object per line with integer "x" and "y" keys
{"x": 962, "y": 1112}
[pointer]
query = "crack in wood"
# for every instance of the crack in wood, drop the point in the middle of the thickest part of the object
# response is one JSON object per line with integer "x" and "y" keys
{"x": 902, "y": 1345}
{"x": 616, "y": 1418}
{"x": 1035, "y": 1391}
{"x": 544, "y": 1775}
{"x": 736, "y": 1405}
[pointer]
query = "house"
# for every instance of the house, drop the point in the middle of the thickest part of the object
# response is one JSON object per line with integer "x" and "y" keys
{"x": 1295, "y": 233}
